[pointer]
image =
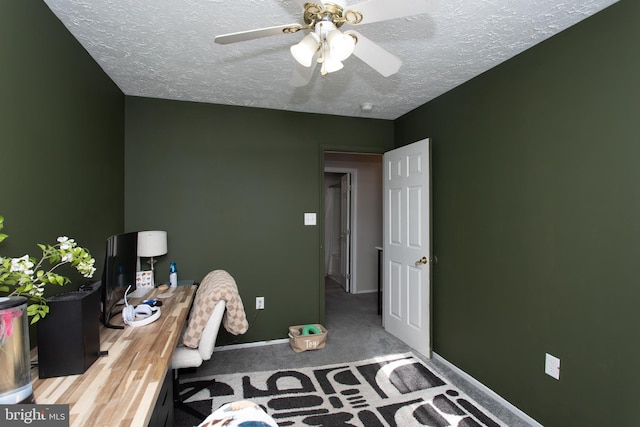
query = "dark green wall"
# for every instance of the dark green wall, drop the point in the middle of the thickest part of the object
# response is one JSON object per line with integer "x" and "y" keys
{"x": 61, "y": 136}
{"x": 536, "y": 175}
{"x": 536, "y": 198}
{"x": 230, "y": 185}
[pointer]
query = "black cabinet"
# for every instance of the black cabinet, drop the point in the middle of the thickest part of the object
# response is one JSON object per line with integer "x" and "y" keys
{"x": 163, "y": 412}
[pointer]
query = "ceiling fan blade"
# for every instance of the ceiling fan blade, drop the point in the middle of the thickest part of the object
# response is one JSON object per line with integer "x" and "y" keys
{"x": 382, "y": 10}
{"x": 255, "y": 34}
{"x": 378, "y": 58}
{"x": 302, "y": 75}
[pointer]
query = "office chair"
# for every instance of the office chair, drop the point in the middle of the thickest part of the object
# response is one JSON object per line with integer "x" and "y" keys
{"x": 185, "y": 357}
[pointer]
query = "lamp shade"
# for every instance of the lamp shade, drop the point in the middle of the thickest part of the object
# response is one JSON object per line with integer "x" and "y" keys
{"x": 330, "y": 65}
{"x": 152, "y": 243}
{"x": 304, "y": 51}
{"x": 341, "y": 45}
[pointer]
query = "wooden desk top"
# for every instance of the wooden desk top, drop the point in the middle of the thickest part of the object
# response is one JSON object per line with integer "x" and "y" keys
{"x": 121, "y": 388}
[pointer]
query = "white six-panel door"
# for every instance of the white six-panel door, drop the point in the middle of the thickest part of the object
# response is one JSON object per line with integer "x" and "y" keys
{"x": 407, "y": 245}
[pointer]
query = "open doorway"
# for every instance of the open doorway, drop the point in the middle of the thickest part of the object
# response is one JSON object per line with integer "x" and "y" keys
{"x": 353, "y": 232}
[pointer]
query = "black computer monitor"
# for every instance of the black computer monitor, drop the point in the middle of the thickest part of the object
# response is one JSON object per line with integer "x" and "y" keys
{"x": 120, "y": 266}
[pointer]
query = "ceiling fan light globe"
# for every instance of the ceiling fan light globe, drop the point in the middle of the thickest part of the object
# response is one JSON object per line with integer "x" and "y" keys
{"x": 330, "y": 64}
{"x": 341, "y": 45}
{"x": 304, "y": 51}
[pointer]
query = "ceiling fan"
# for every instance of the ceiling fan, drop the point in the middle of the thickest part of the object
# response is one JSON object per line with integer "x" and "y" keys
{"x": 325, "y": 44}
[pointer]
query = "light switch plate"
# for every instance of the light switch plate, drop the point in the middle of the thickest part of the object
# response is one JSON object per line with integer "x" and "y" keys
{"x": 309, "y": 218}
{"x": 552, "y": 366}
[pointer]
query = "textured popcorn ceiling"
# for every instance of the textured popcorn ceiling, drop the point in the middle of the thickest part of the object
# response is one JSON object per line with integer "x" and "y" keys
{"x": 165, "y": 49}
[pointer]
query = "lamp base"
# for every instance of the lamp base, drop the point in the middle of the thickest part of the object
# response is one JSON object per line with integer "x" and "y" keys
{"x": 152, "y": 262}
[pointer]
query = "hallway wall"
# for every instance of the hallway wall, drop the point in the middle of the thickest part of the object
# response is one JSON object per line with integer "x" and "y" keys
{"x": 332, "y": 225}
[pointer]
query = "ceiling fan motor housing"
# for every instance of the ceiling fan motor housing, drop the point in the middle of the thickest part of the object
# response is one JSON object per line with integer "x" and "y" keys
{"x": 333, "y": 12}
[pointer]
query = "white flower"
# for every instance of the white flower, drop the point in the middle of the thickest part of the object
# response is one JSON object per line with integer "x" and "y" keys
{"x": 86, "y": 267}
{"x": 22, "y": 265}
{"x": 36, "y": 290}
{"x": 66, "y": 243}
{"x": 67, "y": 258}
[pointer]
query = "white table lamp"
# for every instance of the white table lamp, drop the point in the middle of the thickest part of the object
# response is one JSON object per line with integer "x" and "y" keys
{"x": 152, "y": 244}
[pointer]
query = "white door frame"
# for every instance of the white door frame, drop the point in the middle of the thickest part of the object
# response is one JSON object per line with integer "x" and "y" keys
{"x": 345, "y": 230}
{"x": 354, "y": 226}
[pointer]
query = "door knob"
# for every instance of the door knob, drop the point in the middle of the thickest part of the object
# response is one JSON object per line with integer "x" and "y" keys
{"x": 422, "y": 260}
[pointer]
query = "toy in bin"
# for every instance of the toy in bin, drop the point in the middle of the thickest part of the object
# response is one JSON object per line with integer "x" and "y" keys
{"x": 307, "y": 337}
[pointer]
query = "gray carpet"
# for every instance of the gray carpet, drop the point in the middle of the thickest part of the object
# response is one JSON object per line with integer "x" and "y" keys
{"x": 355, "y": 333}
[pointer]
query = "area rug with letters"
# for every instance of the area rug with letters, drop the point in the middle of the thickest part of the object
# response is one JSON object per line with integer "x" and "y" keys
{"x": 391, "y": 391}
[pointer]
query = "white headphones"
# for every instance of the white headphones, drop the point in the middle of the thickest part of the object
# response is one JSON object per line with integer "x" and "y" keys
{"x": 147, "y": 313}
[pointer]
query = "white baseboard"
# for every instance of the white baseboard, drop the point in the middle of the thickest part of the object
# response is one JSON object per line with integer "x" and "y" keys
{"x": 477, "y": 384}
{"x": 252, "y": 344}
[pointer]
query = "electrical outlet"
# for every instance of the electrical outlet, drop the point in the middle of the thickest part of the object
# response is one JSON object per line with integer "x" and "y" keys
{"x": 552, "y": 366}
{"x": 259, "y": 303}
